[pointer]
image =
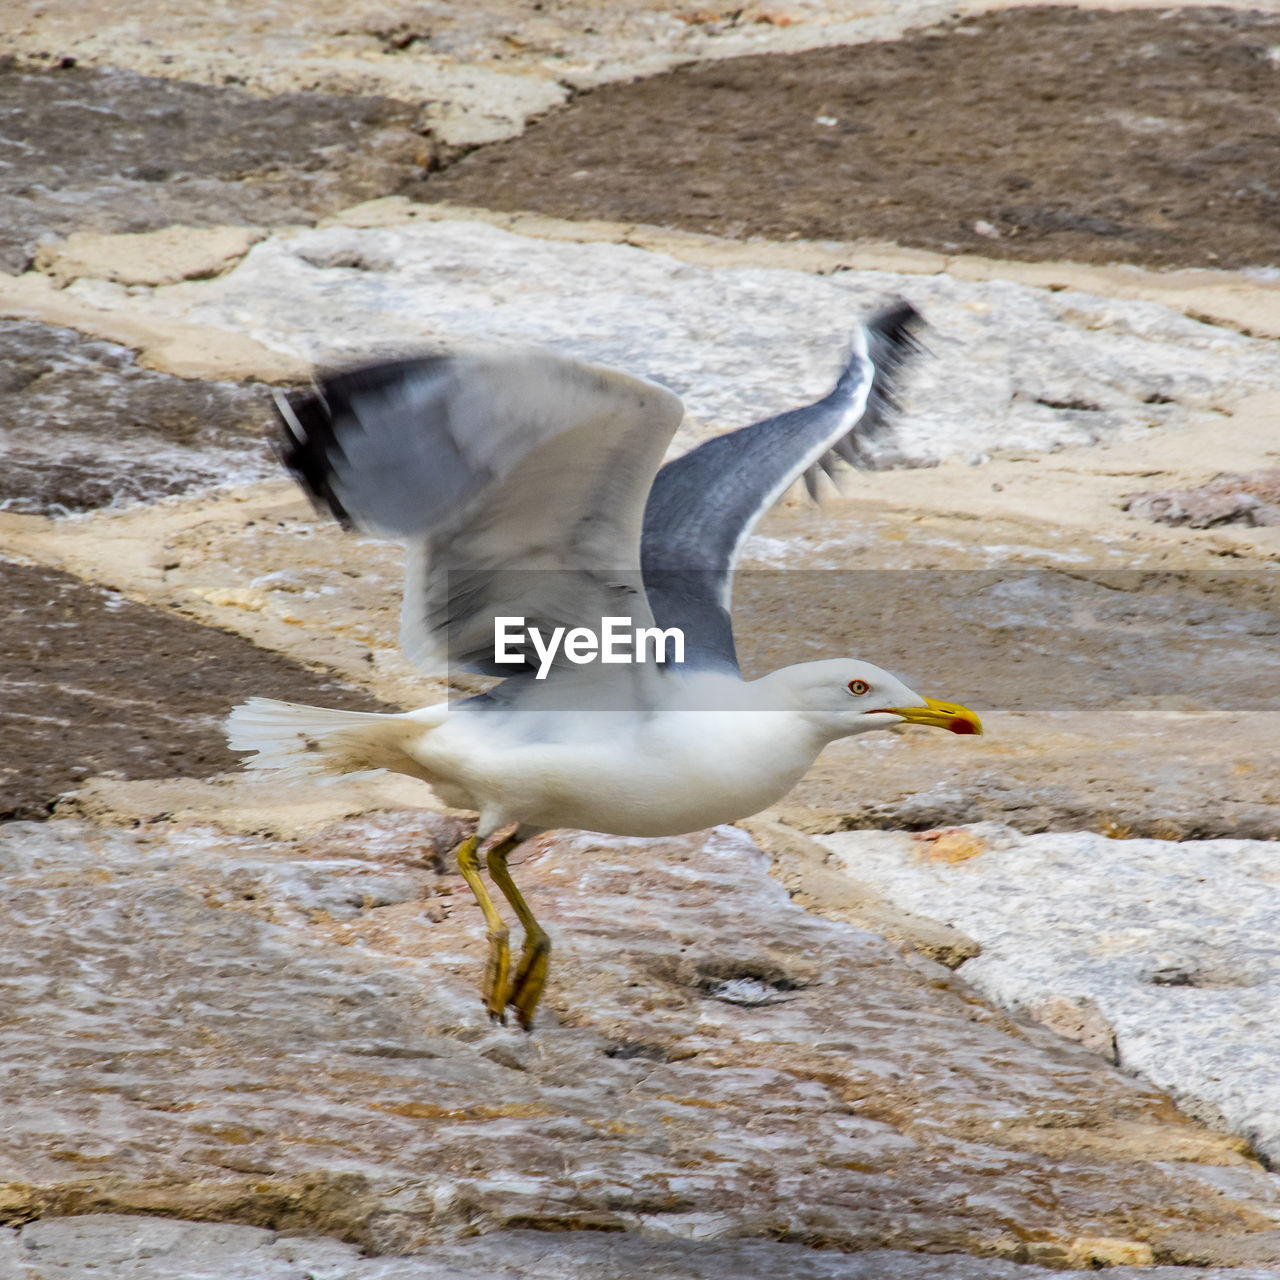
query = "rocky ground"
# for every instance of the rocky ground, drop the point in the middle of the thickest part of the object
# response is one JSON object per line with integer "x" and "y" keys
{"x": 1028, "y": 133}
{"x": 973, "y": 1007}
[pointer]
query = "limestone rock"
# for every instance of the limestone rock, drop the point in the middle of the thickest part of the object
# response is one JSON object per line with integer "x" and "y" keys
{"x": 1171, "y": 946}
{"x": 95, "y": 683}
{"x": 1012, "y": 368}
{"x": 1079, "y": 1019}
{"x": 828, "y": 144}
{"x": 116, "y": 1247}
{"x": 800, "y": 864}
{"x": 1134, "y": 701}
{"x": 287, "y": 1034}
{"x": 1252, "y": 500}
{"x": 108, "y": 150}
{"x": 487, "y": 66}
{"x": 151, "y": 258}
{"x": 83, "y": 426}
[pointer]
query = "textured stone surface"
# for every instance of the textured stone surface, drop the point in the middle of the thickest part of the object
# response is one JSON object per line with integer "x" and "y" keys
{"x": 1174, "y": 944}
{"x": 93, "y": 683}
{"x": 1140, "y": 700}
{"x": 1013, "y": 369}
{"x": 148, "y": 257}
{"x": 83, "y": 426}
{"x": 1033, "y": 133}
{"x": 1163, "y": 773}
{"x": 482, "y": 69}
{"x": 1252, "y": 500}
{"x": 123, "y": 1248}
{"x": 218, "y": 1024}
{"x": 109, "y": 150}
{"x": 288, "y": 1035}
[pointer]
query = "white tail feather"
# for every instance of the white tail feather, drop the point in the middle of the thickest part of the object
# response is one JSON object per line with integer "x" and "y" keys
{"x": 301, "y": 741}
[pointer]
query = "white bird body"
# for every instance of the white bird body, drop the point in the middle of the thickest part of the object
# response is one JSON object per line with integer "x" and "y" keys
{"x": 672, "y": 772}
{"x": 710, "y": 748}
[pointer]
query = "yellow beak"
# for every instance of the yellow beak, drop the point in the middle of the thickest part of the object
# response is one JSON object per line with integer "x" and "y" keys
{"x": 942, "y": 715}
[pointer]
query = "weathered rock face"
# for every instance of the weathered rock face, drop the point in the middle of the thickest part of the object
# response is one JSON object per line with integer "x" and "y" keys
{"x": 288, "y": 1034}
{"x": 1251, "y": 500}
{"x": 1140, "y": 699}
{"x": 1168, "y": 774}
{"x": 1173, "y": 944}
{"x": 93, "y": 683}
{"x": 481, "y": 69}
{"x": 110, "y": 150}
{"x": 133, "y": 1248}
{"x": 1012, "y": 369}
{"x": 1038, "y": 132}
{"x": 222, "y": 1008}
{"x": 83, "y": 426}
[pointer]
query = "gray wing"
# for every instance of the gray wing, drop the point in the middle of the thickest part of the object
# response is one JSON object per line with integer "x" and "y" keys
{"x": 517, "y": 482}
{"x": 704, "y": 505}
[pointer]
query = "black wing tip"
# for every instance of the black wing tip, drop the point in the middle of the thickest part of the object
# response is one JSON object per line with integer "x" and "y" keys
{"x": 899, "y": 325}
{"x": 306, "y": 443}
{"x": 892, "y": 339}
{"x": 891, "y": 336}
{"x": 311, "y": 422}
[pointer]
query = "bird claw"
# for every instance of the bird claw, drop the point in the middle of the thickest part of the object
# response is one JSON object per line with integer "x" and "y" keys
{"x": 530, "y": 979}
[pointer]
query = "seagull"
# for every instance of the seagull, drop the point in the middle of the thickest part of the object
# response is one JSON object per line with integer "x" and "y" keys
{"x": 529, "y": 489}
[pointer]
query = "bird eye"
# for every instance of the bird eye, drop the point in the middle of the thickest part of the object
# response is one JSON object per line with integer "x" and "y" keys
{"x": 859, "y": 687}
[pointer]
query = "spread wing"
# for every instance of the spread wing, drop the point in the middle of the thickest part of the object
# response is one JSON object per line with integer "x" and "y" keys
{"x": 517, "y": 482}
{"x": 705, "y": 504}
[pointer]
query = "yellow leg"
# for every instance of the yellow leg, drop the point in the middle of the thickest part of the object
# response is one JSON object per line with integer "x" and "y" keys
{"x": 499, "y": 966}
{"x": 531, "y": 973}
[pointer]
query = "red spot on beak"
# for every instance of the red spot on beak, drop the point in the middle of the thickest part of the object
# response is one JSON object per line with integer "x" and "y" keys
{"x": 962, "y": 726}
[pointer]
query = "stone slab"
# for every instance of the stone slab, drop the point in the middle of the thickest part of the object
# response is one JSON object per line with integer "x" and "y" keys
{"x": 1013, "y": 370}
{"x": 489, "y": 65}
{"x": 1248, "y": 301}
{"x": 126, "y": 1248}
{"x": 1031, "y": 133}
{"x": 287, "y": 1035}
{"x": 1174, "y": 944}
{"x": 94, "y": 683}
{"x": 83, "y": 426}
{"x": 148, "y": 257}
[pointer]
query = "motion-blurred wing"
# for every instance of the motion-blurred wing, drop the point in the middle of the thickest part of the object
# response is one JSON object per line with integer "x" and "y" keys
{"x": 517, "y": 482}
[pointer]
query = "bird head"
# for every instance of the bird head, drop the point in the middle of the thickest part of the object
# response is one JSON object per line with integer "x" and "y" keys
{"x": 843, "y": 696}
